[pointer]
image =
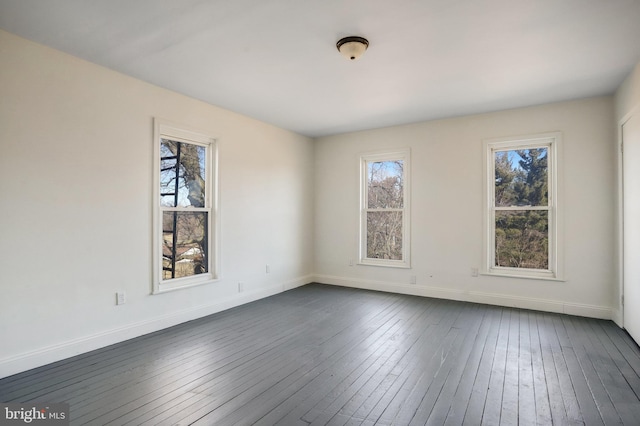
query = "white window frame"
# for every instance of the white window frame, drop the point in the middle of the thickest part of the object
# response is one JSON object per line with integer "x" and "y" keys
{"x": 166, "y": 130}
{"x": 553, "y": 142}
{"x": 387, "y": 155}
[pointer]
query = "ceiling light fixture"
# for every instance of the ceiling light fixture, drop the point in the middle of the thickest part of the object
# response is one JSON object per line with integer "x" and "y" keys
{"x": 352, "y": 47}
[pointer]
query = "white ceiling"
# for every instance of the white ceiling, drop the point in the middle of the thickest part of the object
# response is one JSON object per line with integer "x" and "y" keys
{"x": 276, "y": 60}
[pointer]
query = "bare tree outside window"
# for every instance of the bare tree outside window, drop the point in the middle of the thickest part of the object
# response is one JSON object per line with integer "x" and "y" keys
{"x": 385, "y": 204}
{"x": 182, "y": 187}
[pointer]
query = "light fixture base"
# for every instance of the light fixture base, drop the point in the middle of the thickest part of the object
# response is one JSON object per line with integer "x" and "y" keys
{"x": 352, "y": 47}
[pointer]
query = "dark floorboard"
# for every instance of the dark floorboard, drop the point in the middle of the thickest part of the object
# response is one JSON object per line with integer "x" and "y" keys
{"x": 324, "y": 355}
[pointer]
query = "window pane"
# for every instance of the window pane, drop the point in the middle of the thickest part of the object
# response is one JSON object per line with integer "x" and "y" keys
{"x": 521, "y": 177}
{"x": 385, "y": 184}
{"x": 522, "y": 239}
{"x": 183, "y": 184}
{"x": 384, "y": 235}
{"x": 184, "y": 245}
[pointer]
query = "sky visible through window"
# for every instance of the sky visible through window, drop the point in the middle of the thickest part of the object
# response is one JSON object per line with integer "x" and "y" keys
{"x": 193, "y": 161}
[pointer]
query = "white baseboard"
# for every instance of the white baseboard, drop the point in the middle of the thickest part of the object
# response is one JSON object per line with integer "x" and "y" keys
{"x": 616, "y": 316}
{"x": 49, "y": 354}
{"x": 298, "y": 282}
{"x": 591, "y": 311}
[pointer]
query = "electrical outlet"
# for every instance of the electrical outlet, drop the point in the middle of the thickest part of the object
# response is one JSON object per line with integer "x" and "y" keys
{"x": 350, "y": 262}
{"x": 240, "y": 287}
{"x": 413, "y": 279}
{"x": 120, "y": 298}
{"x": 474, "y": 272}
{"x": 267, "y": 269}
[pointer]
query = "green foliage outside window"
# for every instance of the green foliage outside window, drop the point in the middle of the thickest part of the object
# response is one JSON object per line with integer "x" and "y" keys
{"x": 521, "y": 208}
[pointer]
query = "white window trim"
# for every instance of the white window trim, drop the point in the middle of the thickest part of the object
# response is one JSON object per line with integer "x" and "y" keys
{"x": 168, "y": 130}
{"x": 387, "y": 155}
{"x": 553, "y": 141}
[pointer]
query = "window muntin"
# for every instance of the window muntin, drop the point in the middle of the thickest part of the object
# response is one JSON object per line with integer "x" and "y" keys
{"x": 184, "y": 220}
{"x": 521, "y": 220}
{"x": 384, "y": 212}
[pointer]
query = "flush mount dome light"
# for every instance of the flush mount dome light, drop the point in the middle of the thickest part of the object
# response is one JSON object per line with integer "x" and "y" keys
{"x": 352, "y": 47}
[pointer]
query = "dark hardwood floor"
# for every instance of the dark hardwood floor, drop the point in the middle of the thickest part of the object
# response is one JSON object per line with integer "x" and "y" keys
{"x": 324, "y": 355}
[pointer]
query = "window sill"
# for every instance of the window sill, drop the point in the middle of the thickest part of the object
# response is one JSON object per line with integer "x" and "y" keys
{"x": 167, "y": 288}
{"x": 525, "y": 277}
{"x": 385, "y": 264}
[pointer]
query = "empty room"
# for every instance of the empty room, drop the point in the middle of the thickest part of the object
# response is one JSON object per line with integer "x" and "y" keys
{"x": 330, "y": 212}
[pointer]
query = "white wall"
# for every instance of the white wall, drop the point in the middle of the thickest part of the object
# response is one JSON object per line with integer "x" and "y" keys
{"x": 447, "y": 225}
{"x": 627, "y": 103}
{"x": 75, "y": 202}
{"x": 627, "y": 96}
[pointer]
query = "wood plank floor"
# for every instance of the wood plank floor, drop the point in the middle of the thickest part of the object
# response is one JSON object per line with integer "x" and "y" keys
{"x": 324, "y": 355}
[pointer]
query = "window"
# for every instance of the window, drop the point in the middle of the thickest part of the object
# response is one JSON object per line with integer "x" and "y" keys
{"x": 185, "y": 216}
{"x": 522, "y": 207}
{"x": 384, "y": 206}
